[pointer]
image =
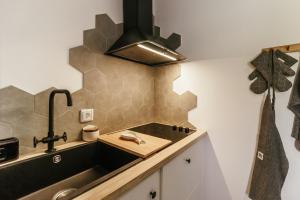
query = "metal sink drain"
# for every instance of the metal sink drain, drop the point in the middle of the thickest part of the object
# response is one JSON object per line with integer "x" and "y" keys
{"x": 63, "y": 193}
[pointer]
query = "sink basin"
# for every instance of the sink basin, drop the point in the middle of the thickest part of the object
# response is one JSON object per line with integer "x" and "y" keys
{"x": 63, "y": 174}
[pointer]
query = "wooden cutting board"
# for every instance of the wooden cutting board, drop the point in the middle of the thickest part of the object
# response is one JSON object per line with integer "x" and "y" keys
{"x": 152, "y": 144}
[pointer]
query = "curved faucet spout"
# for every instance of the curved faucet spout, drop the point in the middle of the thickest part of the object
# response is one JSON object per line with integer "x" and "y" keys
{"x": 51, "y": 107}
{"x": 51, "y": 137}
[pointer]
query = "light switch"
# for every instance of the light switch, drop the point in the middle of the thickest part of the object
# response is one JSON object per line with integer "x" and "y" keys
{"x": 86, "y": 115}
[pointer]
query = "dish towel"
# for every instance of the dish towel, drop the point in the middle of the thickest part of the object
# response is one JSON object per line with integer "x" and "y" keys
{"x": 294, "y": 105}
{"x": 271, "y": 165}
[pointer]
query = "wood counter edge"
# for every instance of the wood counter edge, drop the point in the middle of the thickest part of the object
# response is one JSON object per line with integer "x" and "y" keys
{"x": 118, "y": 185}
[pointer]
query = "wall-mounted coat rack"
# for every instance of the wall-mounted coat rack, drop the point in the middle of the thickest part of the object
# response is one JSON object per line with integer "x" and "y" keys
{"x": 281, "y": 62}
{"x": 285, "y": 48}
{"x": 272, "y": 67}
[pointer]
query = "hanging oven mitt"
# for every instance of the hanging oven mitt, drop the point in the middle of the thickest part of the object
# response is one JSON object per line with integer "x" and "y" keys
{"x": 282, "y": 68}
{"x": 288, "y": 60}
{"x": 271, "y": 165}
{"x": 294, "y": 105}
{"x": 260, "y": 85}
{"x": 280, "y": 82}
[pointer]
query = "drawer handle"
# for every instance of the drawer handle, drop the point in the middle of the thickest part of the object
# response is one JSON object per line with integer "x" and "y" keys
{"x": 188, "y": 160}
{"x": 153, "y": 194}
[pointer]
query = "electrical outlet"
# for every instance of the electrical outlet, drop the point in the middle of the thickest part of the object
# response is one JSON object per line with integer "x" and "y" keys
{"x": 86, "y": 115}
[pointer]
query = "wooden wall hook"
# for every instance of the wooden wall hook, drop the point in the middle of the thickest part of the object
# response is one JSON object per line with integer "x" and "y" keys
{"x": 285, "y": 48}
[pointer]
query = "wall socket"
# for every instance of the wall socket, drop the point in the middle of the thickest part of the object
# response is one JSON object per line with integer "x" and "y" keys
{"x": 86, "y": 115}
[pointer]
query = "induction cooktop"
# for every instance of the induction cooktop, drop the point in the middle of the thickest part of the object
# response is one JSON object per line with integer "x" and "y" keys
{"x": 173, "y": 133}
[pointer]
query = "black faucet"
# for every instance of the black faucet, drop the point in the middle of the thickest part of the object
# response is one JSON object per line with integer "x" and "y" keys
{"x": 51, "y": 137}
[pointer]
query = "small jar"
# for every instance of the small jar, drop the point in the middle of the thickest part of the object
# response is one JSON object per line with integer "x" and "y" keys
{"x": 90, "y": 133}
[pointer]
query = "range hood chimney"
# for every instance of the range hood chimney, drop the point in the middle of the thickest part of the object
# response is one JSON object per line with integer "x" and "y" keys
{"x": 138, "y": 43}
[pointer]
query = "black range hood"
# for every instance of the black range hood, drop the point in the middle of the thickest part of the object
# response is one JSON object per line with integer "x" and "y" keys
{"x": 138, "y": 43}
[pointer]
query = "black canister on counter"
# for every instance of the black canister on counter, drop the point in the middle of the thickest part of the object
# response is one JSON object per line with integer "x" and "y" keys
{"x": 9, "y": 149}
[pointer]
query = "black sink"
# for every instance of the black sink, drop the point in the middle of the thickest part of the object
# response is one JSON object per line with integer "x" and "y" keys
{"x": 71, "y": 171}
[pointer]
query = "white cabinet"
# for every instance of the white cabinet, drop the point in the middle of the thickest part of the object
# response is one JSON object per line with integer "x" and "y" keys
{"x": 180, "y": 179}
{"x": 142, "y": 190}
{"x": 183, "y": 176}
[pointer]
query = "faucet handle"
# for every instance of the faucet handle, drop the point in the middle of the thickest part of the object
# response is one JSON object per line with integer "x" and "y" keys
{"x": 64, "y": 136}
{"x": 35, "y": 142}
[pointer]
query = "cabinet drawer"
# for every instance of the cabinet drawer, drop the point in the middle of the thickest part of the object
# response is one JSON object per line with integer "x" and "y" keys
{"x": 181, "y": 178}
{"x": 142, "y": 190}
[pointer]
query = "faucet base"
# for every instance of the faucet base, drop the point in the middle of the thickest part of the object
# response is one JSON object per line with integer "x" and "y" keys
{"x": 50, "y": 150}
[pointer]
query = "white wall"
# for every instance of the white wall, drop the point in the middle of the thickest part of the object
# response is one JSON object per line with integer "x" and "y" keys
{"x": 220, "y": 38}
{"x": 232, "y": 28}
{"x": 35, "y": 36}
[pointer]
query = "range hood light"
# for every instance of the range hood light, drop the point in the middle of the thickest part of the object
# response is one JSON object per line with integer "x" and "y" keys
{"x": 157, "y": 52}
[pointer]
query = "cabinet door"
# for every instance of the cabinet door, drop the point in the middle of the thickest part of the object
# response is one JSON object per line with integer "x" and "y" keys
{"x": 183, "y": 176}
{"x": 142, "y": 190}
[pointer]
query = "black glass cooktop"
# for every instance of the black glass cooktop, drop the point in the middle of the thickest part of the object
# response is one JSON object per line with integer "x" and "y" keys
{"x": 173, "y": 133}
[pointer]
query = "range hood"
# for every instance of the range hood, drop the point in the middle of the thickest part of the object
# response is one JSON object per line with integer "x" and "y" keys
{"x": 138, "y": 43}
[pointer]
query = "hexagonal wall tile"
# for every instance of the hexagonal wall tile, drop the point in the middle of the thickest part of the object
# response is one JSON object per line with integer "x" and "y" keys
{"x": 83, "y": 99}
{"x": 110, "y": 42}
{"x": 178, "y": 116}
{"x": 109, "y": 64}
{"x": 14, "y": 103}
{"x": 38, "y": 124}
{"x": 29, "y": 126}
{"x": 69, "y": 123}
{"x": 188, "y": 101}
{"x": 100, "y": 120}
{"x": 82, "y": 58}
{"x": 94, "y": 40}
{"x": 107, "y": 101}
{"x": 104, "y": 101}
{"x": 170, "y": 107}
{"x": 5, "y": 130}
{"x": 106, "y": 25}
{"x": 41, "y": 103}
{"x": 94, "y": 81}
{"x": 168, "y": 73}
{"x": 113, "y": 38}
{"x": 116, "y": 119}
{"x": 119, "y": 30}
{"x": 24, "y": 150}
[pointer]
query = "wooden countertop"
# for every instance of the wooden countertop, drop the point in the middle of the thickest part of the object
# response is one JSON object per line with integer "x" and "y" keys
{"x": 118, "y": 185}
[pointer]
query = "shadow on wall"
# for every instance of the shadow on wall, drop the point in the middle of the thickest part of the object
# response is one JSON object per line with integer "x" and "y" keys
{"x": 214, "y": 187}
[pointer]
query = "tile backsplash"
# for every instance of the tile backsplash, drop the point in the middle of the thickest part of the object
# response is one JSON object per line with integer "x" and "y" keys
{"x": 122, "y": 93}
